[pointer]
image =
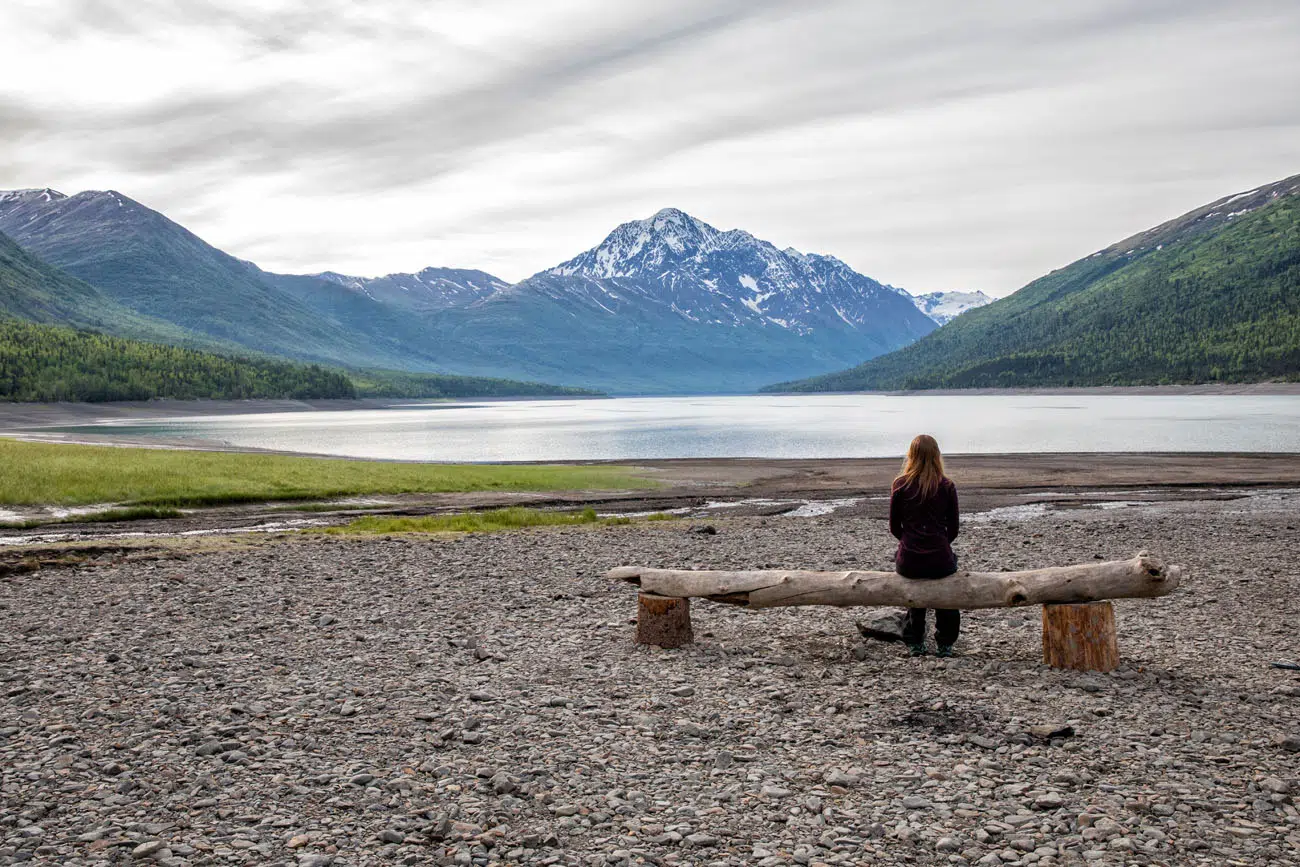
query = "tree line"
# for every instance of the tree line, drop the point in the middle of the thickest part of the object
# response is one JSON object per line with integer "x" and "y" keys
{"x": 52, "y": 363}
{"x": 47, "y": 363}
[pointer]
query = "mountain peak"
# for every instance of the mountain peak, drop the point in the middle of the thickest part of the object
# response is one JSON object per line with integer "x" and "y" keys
{"x": 673, "y": 221}
{"x": 638, "y": 247}
{"x": 672, "y": 214}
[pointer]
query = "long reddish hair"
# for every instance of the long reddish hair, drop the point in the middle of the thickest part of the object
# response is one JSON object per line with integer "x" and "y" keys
{"x": 923, "y": 468}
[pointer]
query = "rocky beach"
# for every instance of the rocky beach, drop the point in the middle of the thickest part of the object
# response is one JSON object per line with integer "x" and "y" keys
{"x": 478, "y": 699}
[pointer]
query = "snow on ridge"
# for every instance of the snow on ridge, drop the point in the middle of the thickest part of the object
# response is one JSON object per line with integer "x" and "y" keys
{"x": 1232, "y": 199}
{"x": 943, "y": 307}
{"x": 45, "y": 194}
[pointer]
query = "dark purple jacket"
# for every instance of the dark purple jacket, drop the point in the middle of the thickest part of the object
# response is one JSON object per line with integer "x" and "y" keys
{"x": 925, "y": 529}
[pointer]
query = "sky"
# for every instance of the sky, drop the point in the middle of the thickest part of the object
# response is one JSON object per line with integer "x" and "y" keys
{"x": 933, "y": 145}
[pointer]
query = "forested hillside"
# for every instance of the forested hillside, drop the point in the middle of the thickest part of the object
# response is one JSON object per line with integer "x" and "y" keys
{"x": 51, "y": 363}
{"x": 1211, "y": 296}
{"x": 400, "y": 383}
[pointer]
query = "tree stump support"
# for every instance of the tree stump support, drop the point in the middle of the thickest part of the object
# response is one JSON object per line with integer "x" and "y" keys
{"x": 663, "y": 620}
{"x": 1080, "y": 636}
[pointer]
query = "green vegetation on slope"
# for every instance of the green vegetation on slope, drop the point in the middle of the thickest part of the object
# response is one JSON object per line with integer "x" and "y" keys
{"x": 515, "y": 518}
{"x": 34, "y": 291}
{"x": 49, "y": 363}
{"x": 1203, "y": 298}
{"x": 51, "y": 474}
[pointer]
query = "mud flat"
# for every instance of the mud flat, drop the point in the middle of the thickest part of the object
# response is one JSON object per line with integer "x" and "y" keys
{"x": 478, "y": 699}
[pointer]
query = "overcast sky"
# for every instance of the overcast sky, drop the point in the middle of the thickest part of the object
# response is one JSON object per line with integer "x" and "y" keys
{"x": 933, "y": 144}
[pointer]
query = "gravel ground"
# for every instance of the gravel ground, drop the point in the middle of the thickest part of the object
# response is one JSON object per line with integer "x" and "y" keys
{"x": 478, "y": 700}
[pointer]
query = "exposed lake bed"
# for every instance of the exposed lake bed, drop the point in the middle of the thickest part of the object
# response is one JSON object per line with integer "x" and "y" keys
{"x": 425, "y": 699}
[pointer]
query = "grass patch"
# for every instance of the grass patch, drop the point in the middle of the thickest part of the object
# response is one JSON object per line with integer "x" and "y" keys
{"x": 663, "y": 516}
{"x": 131, "y": 513}
{"x": 56, "y": 474}
{"x": 514, "y": 518}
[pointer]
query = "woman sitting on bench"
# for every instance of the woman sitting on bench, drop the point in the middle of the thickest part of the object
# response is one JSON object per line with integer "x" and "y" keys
{"x": 923, "y": 517}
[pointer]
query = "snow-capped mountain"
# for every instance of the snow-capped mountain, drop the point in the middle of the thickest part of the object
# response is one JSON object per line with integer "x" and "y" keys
{"x": 425, "y": 291}
{"x": 730, "y": 278}
{"x": 672, "y": 304}
{"x": 943, "y": 307}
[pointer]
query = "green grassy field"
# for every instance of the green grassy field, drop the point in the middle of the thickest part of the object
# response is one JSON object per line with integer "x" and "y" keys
{"x": 51, "y": 474}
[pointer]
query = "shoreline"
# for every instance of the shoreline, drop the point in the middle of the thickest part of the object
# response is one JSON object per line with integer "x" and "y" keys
{"x": 706, "y": 490}
{"x": 1209, "y": 389}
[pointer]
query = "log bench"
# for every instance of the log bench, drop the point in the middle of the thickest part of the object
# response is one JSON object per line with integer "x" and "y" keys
{"x": 1078, "y": 618}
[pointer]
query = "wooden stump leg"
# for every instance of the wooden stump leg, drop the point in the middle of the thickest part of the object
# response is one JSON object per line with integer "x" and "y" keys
{"x": 663, "y": 621}
{"x": 1081, "y": 637}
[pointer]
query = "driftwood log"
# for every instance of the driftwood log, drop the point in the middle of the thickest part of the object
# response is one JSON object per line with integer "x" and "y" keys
{"x": 1066, "y": 587}
{"x": 1143, "y": 576}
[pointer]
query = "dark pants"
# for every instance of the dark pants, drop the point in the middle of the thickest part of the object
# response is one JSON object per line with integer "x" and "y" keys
{"x": 947, "y": 622}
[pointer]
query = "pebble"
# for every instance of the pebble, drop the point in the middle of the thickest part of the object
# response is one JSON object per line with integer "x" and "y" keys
{"x": 148, "y": 849}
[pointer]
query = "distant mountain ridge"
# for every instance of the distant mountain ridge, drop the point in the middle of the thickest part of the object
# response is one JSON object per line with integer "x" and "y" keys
{"x": 1212, "y": 295}
{"x": 424, "y": 291}
{"x": 665, "y": 304}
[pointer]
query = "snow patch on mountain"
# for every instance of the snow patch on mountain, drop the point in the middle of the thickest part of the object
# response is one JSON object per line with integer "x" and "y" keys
{"x": 44, "y": 194}
{"x": 943, "y": 307}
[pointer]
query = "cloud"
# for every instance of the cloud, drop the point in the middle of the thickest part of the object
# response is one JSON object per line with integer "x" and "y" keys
{"x": 934, "y": 145}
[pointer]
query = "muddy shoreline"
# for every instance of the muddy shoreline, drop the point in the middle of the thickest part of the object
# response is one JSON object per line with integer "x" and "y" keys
{"x": 703, "y": 489}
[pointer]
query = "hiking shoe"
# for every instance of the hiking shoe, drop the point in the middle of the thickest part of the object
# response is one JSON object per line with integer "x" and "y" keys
{"x": 916, "y": 650}
{"x": 945, "y": 651}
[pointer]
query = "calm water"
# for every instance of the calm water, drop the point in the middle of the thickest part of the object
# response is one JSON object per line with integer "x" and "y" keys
{"x": 805, "y": 426}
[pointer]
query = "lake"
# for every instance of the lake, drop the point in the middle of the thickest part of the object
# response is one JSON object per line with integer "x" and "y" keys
{"x": 769, "y": 426}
